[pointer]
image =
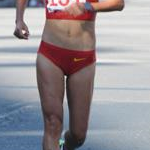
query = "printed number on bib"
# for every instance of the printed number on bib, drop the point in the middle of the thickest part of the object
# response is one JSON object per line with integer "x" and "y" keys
{"x": 61, "y": 4}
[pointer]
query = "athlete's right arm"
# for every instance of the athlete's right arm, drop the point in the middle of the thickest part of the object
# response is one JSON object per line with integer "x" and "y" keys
{"x": 21, "y": 30}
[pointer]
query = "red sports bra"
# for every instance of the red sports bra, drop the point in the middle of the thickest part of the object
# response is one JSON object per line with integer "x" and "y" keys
{"x": 88, "y": 15}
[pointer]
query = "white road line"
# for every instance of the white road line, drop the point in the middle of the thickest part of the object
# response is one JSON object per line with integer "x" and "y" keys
{"x": 13, "y": 112}
{"x": 40, "y": 132}
{"x": 17, "y": 57}
{"x": 21, "y": 133}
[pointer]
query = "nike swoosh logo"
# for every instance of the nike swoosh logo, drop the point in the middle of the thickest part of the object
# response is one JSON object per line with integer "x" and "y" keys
{"x": 78, "y": 59}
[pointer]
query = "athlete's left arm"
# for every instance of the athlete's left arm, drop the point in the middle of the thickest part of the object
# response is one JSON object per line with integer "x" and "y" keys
{"x": 108, "y": 5}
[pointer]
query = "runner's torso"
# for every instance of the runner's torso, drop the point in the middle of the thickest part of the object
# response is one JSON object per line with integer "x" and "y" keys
{"x": 66, "y": 31}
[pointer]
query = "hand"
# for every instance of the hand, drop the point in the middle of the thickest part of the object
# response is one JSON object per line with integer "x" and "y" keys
{"x": 75, "y": 9}
{"x": 21, "y": 30}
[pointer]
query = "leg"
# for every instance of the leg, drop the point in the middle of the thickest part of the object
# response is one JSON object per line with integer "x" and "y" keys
{"x": 79, "y": 93}
{"x": 51, "y": 88}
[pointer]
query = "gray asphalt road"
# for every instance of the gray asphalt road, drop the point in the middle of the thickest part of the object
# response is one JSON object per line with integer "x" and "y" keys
{"x": 120, "y": 114}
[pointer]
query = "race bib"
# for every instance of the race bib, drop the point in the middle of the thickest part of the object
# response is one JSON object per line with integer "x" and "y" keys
{"x": 61, "y": 4}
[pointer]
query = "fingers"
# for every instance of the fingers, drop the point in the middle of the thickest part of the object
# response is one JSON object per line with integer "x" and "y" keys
{"x": 21, "y": 34}
{"x": 21, "y": 30}
{"x": 75, "y": 9}
{"x": 27, "y": 31}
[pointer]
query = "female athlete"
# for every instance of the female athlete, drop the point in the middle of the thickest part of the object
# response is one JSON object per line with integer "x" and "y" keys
{"x": 67, "y": 49}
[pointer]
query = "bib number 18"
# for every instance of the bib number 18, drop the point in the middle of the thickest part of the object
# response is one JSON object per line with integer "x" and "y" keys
{"x": 61, "y": 4}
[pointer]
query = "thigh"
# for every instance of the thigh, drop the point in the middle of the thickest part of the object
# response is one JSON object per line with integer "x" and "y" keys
{"x": 50, "y": 81}
{"x": 79, "y": 93}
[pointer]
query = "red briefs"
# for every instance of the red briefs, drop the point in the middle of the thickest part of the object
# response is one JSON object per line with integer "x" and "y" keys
{"x": 69, "y": 61}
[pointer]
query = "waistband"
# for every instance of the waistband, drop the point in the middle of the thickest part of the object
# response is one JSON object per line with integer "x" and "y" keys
{"x": 60, "y": 49}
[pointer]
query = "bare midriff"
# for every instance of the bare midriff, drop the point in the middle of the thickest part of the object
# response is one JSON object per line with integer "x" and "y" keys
{"x": 70, "y": 34}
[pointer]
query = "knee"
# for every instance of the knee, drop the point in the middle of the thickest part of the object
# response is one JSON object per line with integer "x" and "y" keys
{"x": 75, "y": 139}
{"x": 53, "y": 123}
{"x": 79, "y": 138}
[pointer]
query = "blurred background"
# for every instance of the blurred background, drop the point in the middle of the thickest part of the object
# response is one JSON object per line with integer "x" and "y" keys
{"x": 11, "y": 3}
{"x": 120, "y": 112}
